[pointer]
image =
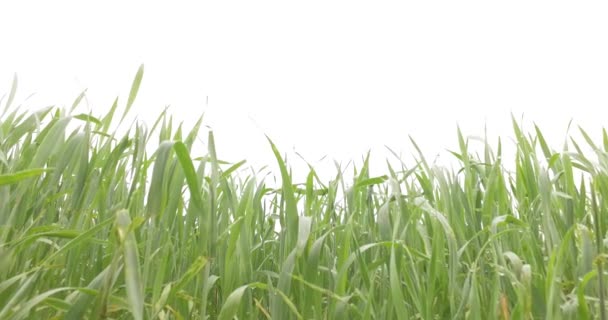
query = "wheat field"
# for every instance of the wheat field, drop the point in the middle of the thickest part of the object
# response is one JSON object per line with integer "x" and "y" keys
{"x": 94, "y": 225}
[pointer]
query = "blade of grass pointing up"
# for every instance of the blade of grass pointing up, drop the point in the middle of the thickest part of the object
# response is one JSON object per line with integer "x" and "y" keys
{"x": 600, "y": 259}
{"x": 291, "y": 211}
{"x": 50, "y": 143}
{"x": 213, "y": 214}
{"x": 134, "y": 90}
{"x": 11, "y": 95}
{"x": 78, "y": 99}
{"x": 133, "y": 281}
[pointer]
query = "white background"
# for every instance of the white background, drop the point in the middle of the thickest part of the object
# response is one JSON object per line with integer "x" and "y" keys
{"x": 322, "y": 78}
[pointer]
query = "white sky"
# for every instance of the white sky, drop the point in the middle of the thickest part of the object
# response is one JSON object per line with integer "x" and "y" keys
{"x": 320, "y": 77}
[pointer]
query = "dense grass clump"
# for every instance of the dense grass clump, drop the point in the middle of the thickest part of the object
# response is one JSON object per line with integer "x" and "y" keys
{"x": 95, "y": 225}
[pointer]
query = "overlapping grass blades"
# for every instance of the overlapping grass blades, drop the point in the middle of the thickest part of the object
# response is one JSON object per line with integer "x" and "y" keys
{"x": 93, "y": 225}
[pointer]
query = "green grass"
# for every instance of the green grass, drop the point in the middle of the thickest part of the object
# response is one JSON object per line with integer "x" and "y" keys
{"x": 93, "y": 224}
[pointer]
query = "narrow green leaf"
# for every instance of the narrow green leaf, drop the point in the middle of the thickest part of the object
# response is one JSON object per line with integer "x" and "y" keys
{"x": 6, "y": 179}
{"x": 371, "y": 181}
{"x": 134, "y": 90}
{"x": 11, "y": 95}
{"x": 131, "y": 258}
{"x": 231, "y": 306}
{"x": 78, "y": 99}
{"x": 88, "y": 118}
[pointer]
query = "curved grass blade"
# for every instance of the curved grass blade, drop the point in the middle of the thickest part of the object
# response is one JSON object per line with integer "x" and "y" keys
{"x": 132, "y": 274}
{"x": 134, "y": 89}
{"x": 11, "y": 95}
{"x": 231, "y": 306}
{"x": 6, "y": 179}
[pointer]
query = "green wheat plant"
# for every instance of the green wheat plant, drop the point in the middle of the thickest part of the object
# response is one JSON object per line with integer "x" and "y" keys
{"x": 102, "y": 223}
